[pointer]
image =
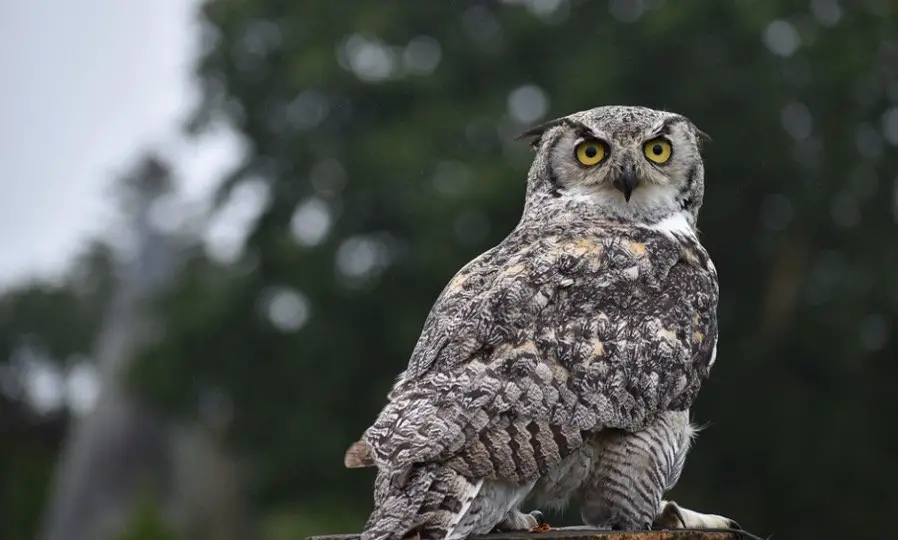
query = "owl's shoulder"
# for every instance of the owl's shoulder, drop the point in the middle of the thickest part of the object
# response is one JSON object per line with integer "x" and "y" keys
{"x": 582, "y": 251}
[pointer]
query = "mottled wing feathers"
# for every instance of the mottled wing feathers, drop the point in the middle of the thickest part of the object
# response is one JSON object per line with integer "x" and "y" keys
{"x": 541, "y": 339}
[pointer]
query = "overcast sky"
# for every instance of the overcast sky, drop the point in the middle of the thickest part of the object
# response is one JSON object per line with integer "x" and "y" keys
{"x": 86, "y": 85}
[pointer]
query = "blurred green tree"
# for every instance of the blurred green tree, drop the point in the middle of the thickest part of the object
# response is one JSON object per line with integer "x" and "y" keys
{"x": 381, "y": 138}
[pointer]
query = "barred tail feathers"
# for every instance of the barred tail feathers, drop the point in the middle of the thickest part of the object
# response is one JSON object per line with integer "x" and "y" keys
{"x": 432, "y": 501}
{"x": 469, "y": 493}
{"x": 398, "y": 498}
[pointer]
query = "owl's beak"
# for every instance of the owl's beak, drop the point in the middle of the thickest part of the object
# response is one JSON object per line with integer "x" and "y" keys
{"x": 626, "y": 181}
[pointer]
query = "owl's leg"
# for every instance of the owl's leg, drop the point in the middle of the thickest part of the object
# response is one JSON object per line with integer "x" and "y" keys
{"x": 515, "y": 520}
{"x": 558, "y": 487}
{"x": 673, "y": 516}
{"x": 631, "y": 472}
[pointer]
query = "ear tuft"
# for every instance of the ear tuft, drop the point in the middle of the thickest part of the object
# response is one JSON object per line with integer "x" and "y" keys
{"x": 535, "y": 134}
{"x": 700, "y": 136}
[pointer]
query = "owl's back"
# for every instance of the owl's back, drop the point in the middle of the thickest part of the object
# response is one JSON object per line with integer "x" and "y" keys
{"x": 553, "y": 333}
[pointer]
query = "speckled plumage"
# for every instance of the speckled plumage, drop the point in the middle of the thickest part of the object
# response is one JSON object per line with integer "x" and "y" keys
{"x": 560, "y": 364}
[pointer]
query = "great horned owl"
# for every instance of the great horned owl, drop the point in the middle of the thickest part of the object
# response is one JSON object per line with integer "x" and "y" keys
{"x": 561, "y": 364}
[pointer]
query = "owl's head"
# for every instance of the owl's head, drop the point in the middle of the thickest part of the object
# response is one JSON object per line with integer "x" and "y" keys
{"x": 616, "y": 162}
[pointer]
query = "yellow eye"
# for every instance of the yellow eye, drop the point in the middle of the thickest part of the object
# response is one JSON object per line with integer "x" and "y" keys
{"x": 657, "y": 150}
{"x": 590, "y": 153}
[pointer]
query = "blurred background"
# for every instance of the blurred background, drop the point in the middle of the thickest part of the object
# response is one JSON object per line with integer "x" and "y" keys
{"x": 222, "y": 224}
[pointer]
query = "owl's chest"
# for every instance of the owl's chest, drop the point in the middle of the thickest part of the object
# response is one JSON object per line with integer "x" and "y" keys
{"x": 619, "y": 266}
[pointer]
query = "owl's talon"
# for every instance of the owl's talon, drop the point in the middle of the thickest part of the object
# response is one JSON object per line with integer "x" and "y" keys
{"x": 541, "y": 525}
{"x": 674, "y": 516}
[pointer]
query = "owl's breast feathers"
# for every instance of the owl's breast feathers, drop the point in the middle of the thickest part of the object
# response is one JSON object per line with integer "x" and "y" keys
{"x": 547, "y": 337}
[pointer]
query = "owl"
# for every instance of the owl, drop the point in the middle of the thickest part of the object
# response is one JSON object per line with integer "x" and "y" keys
{"x": 560, "y": 365}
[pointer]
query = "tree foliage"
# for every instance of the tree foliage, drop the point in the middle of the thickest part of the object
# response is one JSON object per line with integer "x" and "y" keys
{"x": 395, "y": 121}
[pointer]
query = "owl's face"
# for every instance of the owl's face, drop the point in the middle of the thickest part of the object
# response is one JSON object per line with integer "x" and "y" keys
{"x": 630, "y": 163}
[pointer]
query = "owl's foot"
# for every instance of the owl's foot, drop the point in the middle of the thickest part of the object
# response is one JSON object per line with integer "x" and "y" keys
{"x": 541, "y": 525}
{"x": 673, "y": 516}
{"x": 516, "y": 520}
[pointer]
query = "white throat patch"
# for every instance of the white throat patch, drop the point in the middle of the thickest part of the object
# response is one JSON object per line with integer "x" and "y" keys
{"x": 675, "y": 225}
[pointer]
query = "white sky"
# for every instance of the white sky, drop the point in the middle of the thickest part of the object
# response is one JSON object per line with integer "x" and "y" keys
{"x": 84, "y": 87}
